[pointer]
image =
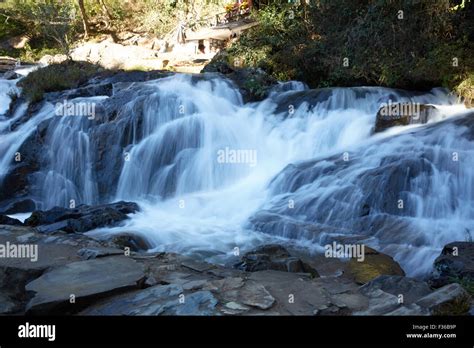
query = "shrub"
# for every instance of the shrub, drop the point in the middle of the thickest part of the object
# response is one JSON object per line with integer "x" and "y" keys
{"x": 413, "y": 49}
{"x": 466, "y": 90}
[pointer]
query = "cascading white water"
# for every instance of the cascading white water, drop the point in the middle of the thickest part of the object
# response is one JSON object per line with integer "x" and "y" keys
{"x": 12, "y": 141}
{"x": 70, "y": 174}
{"x": 210, "y": 201}
{"x": 6, "y": 87}
{"x": 193, "y": 203}
{"x": 438, "y": 203}
{"x": 201, "y": 163}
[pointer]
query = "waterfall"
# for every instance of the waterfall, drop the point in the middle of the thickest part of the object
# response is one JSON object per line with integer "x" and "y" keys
{"x": 70, "y": 173}
{"x": 407, "y": 195}
{"x": 212, "y": 173}
{"x": 10, "y": 142}
{"x": 6, "y": 87}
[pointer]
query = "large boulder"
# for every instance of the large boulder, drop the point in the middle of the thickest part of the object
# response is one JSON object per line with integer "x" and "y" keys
{"x": 373, "y": 265}
{"x": 254, "y": 84}
{"x": 454, "y": 264}
{"x": 81, "y": 219}
{"x": 451, "y": 299}
{"x": 14, "y": 206}
{"x": 403, "y": 114}
{"x": 133, "y": 241}
{"x": 273, "y": 257}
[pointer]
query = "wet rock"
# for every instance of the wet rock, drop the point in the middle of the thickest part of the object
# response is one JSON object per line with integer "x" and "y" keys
{"x": 273, "y": 257}
{"x": 410, "y": 288}
{"x": 254, "y": 84}
{"x": 451, "y": 299}
{"x": 455, "y": 264}
{"x": 129, "y": 240}
{"x": 85, "y": 280}
{"x": 374, "y": 264}
{"x": 92, "y": 90}
{"x": 157, "y": 300}
{"x": 402, "y": 114}
{"x": 81, "y": 219}
{"x": 17, "y": 206}
{"x": 11, "y": 75}
{"x": 6, "y": 220}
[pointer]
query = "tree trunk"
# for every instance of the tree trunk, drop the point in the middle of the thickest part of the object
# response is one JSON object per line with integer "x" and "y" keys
{"x": 85, "y": 21}
{"x": 105, "y": 10}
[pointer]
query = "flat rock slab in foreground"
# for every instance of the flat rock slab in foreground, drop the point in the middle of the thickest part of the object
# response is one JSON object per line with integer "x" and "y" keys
{"x": 83, "y": 279}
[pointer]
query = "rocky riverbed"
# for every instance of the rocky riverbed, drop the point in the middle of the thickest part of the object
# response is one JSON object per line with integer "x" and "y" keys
{"x": 74, "y": 273}
{"x": 152, "y": 142}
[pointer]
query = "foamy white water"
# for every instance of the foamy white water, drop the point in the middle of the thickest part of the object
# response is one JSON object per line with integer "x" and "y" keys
{"x": 194, "y": 202}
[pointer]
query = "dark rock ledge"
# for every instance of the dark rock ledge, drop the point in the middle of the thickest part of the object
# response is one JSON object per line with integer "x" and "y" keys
{"x": 81, "y": 219}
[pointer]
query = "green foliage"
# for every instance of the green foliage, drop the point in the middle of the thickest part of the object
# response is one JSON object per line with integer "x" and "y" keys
{"x": 467, "y": 283}
{"x": 161, "y": 17}
{"x": 32, "y": 55}
{"x": 269, "y": 44}
{"x": 48, "y": 23}
{"x": 56, "y": 77}
{"x": 400, "y": 43}
{"x": 466, "y": 90}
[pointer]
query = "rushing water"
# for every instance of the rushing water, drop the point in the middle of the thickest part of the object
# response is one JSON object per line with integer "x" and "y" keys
{"x": 201, "y": 163}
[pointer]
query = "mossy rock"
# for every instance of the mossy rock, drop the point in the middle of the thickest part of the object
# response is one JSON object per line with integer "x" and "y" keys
{"x": 56, "y": 77}
{"x": 130, "y": 240}
{"x": 375, "y": 264}
{"x": 459, "y": 306}
{"x": 451, "y": 299}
